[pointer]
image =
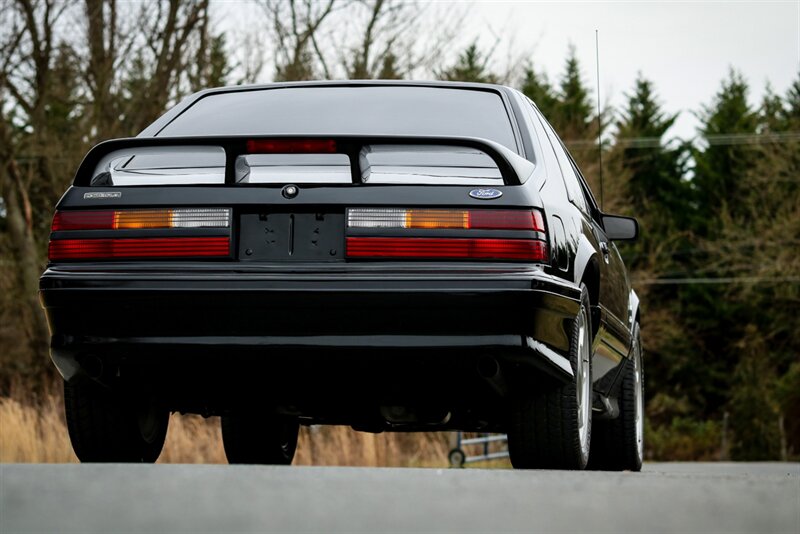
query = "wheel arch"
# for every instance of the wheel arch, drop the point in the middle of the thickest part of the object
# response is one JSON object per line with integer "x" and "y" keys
{"x": 590, "y": 277}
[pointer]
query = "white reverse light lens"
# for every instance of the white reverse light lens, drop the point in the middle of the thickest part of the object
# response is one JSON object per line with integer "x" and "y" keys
{"x": 376, "y": 218}
{"x": 201, "y": 218}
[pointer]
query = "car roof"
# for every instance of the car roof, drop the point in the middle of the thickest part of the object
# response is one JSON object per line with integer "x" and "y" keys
{"x": 356, "y": 83}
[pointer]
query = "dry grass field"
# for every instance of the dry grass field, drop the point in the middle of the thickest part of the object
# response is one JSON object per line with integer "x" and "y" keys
{"x": 34, "y": 430}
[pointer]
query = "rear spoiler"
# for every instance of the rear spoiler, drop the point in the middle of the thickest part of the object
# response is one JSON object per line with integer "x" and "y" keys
{"x": 514, "y": 169}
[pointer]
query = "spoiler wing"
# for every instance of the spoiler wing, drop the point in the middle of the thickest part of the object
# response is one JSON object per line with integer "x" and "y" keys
{"x": 514, "y": 169}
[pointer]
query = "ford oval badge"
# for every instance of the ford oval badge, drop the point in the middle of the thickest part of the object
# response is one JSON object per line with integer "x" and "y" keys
{"x": 485, "y": 194}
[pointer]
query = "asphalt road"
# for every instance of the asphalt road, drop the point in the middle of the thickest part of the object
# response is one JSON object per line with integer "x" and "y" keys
{"x": 218, "y": 498}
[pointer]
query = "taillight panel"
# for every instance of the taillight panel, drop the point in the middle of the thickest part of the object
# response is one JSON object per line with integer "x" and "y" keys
{"x": 369, "y": 233}
{"x": 141, "y": 233}
{"x": 445, "y": 219}
{"x": 425, "y": 233}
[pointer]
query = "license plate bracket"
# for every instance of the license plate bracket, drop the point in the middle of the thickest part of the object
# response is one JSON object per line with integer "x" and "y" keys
{"x": 291, "y": 237}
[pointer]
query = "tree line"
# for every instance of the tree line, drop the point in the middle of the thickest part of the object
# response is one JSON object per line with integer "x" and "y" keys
{"x": 717, "y": 265}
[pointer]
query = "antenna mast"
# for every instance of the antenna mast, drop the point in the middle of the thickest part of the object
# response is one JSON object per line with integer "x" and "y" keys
{"x": 599, "y": 118}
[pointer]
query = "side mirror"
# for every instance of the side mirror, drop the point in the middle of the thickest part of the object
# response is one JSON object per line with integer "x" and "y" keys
{"x": 619, "y": 228}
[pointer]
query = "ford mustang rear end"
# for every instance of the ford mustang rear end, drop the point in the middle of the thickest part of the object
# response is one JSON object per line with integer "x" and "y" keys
{"x": 372, "y": 255}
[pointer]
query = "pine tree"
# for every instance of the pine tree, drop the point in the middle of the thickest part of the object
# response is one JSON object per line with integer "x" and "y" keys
{"x": 62, "y": 113}
{"x": 656, "y": 194}
{"x": 792, "y": 111}
{"x": 217, "y": 66}
{"x": 720, "y": 171}
{"x": 135, "y": 89}
{"x": 58, "y": 142}
{"x": 573, "y": 119}
{"x": 656, "y": 177}
{"x": 772, "y": 111}
{"x": 537, "y": 87}
{"x": 472, "y": 66}
{"x": 721, "y": 167}
{"x": 300, "y": 69}
{"x": 390, "y": 70}
{"x": 748, "y": 197}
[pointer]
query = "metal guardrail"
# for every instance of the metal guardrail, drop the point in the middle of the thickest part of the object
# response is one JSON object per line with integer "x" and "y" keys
{"x": 458, "y": 457}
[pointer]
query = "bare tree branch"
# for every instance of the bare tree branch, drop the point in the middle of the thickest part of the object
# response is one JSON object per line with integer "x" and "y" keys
{"x": 296, "y": 38}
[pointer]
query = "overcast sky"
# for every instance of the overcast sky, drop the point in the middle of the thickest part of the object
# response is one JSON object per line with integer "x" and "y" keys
{"x": 686, "y": 48}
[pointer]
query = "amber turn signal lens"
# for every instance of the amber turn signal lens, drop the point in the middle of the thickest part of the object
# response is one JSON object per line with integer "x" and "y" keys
{"x": 436, "y": 219}
{"x": 143, "y": 219}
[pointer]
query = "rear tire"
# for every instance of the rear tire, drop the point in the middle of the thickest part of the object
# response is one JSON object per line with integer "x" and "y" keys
{"x": 253, "y": 438}
{"x": 552, "y": 429}
{"x": 106, "y": 426}
{"x": 618, "y": 444}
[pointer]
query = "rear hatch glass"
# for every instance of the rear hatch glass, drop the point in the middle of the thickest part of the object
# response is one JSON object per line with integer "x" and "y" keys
{"x": 355, "y": 110}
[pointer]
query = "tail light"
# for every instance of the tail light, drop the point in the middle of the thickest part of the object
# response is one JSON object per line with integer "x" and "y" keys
{"x": 445, "y": 219}
{"x": 514, "y": 235}
{"x": 142, "y": 219}
{"x": 92, "y": 234}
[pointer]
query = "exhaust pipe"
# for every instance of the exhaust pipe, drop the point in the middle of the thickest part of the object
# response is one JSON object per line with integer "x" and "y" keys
{"x": 489, "y": 369}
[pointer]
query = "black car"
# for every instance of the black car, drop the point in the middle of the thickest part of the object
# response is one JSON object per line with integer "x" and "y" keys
{"x": 393, "y": 256}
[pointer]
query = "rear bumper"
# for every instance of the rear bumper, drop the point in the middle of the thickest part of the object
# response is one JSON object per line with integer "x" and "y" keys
{"x": 174, "y": 314}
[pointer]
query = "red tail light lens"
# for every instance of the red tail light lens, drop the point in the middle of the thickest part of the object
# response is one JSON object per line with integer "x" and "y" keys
{"x": 506, "y": 220}
{"x": 83, "y": 220}
{"x": 414, "y": 247}
{"x": 291, "y": 146}
{"x": 154, "y": 247}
